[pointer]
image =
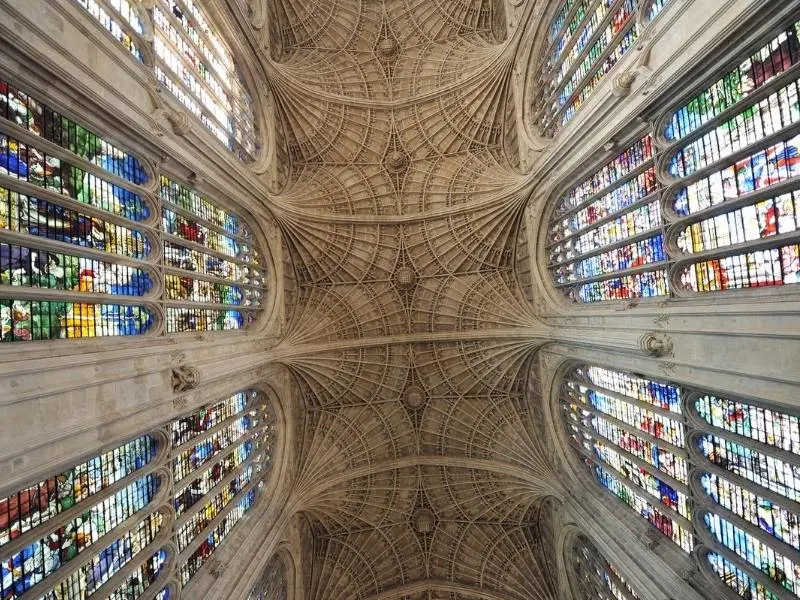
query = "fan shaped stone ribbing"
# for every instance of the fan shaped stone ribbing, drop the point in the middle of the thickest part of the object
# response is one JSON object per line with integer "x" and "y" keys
{"x": 401, "y": 214}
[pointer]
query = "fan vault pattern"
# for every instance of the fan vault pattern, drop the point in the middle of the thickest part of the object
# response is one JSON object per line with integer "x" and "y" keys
{"x": 419, "y": 470}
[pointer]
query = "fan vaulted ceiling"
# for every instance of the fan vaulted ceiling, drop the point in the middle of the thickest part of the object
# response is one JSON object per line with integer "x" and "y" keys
{"x": 400, "y": 207}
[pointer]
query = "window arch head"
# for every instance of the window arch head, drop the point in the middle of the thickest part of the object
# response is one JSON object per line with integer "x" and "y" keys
{"x": 738, "y": 506}
{"x": 595, "y": 576}
{"x": 274, "y": 581}
{"x": 707, "y": 201}
{"x": 231, "y": 440}
{"x": 214, "y": 277}
{"x": 194, "y": 63}
{"x": 584, "y": 41}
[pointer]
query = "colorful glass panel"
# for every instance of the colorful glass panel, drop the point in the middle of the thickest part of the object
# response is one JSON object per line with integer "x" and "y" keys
{"x": 188, "y": 427}
{"x": 211, "y": 508}
{"x": 37, "y": 504}
{"x": 205, "y": 482}
{"x": 198, "y": 454}
{"x": 765, "y": 118}
{"x": 767, "y": 471}
{"x": 640, "y": 504}
{"x": 33, "y": 216}
{"x": 773, "y": 564}
{"x": 750, "y": 223}
{"x": 124, "y": 10}
{"x": 770, "y": 427}
{"x": 138, "y": 581}
{"x": 641, "y": 448}
{"x": 760, "y": 268}
{"x": 216, "y": 537}
{"x": 772, "y": 165}
{"x": 26, "y": 320}
{"x": 643, "y": 479}
{"x": 638, "y": 254}
{"x": 43, "y": 557}
{"x": 196, "y": 204}
{"x": 609, "y": 583}
{"x": 754, "y": 508}
{"x": 662, "y": 395}
{"x": 35, "y": 166}
{"x": 623, "y": 165}
{"x": 30, "y": 267}
{"x": 203, "y": 319}
{"x": 753, "y": 73}
{"x": 202, "y": 75}
{"x": 38, "y": 118}
{"x": 89, "y": 577}
{"x": 738, "y": 580}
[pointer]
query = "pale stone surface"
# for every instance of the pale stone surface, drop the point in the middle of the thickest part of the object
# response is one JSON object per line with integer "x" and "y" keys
{"x": 398, "y": 161}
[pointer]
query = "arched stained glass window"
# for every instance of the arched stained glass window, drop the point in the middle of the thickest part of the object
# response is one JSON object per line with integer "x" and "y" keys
{"x": 76, "y": 219}
{"x": 273, "y": 584}
{"x": 108, "y": 527}
{"x": 606, "y": 239}
{"x": 630, "y": 432}
{"x": 120, "y": 19}
{"x": 598, "y": 578}
{"x": 49, "y": 526}
{"x": 219, "y": 454}
{"x": 586, "y": 39}
{"x": 70, "y": 214}
{"x": 196, "y": 66}
{"x": 734, "y": 153}
{"x": 213, "y": 277}
{"x": 729, "y": 214}
{"x": 740, "y": 504}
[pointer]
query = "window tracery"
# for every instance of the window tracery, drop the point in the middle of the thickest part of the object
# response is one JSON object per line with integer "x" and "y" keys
{"x": 191, "y": 61}
{"x": 719, "y": 476}
{"x": 599, "y": 579}
{"x": 722, "y": 213}
{"x": 586, "y": 39}
{"x": 67, "y": 536}
{"x": 76, "y": 219}
{"x": 195, "y": 65}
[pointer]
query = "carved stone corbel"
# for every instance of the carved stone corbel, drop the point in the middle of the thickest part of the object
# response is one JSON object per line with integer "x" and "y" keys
{"x": 184, "y": 379}
{"x": 656, "y": 344}
{"x": 650, "y": 538}
{"x": 179, "y": 121}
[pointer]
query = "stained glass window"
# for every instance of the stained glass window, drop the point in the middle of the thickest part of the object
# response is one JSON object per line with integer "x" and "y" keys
{"x": 631, "y": 432}
{"x": 606, "y": 240}
{"x": 100, "y": 527}
{"x": 599, "y": 579}
{"x": 216, "y": 537}
{"x": 213, "y": 278}
{"x": 139, "y": 580}
{"x": 121, "y": 21}
{"x": 638, "y": 436}
{"x": 197, "y": 67}
{"x": 45, "y": 526}
{"x": 738, "y": 580}
{"x": 731, "y": 164}
{"x": 83, "y": 198}
{"x": 219, "y": 453}
{"x": 734, "y": 143}
{"x": 586, "y": 40}
{"x": 273, "y": 584}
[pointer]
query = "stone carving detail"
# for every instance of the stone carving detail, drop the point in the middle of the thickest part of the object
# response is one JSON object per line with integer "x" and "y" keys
{"x": 184, "y": 379}
{"x": 656, "y": 344}
{"x": 650, "y": 538}
{"x": 414, "y": 397}
{"x": 424, "y": 520}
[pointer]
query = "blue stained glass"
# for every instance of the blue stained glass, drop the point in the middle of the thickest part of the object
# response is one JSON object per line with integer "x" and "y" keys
{"x": 773, "y": 564}
{"x": 738, "y": 580}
